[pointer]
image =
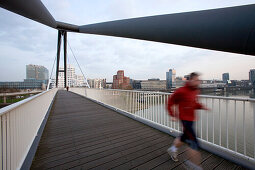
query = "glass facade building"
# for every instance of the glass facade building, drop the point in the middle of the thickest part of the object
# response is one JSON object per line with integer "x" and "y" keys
{"x": 37, "y": 72}
{"x": 26, "y": 84}
{"x": 170, "y": 78}
{"x": 252, "y": 77}
{"x": 225, "y": 77}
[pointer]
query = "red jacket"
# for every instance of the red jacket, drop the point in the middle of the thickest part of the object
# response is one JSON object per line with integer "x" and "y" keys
{"x": 186, "y": 99}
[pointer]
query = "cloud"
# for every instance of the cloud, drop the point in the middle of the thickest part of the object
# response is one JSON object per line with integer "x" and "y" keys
{"x": 23, "y": 41}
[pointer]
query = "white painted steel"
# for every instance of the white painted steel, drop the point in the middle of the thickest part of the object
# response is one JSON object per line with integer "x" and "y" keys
{"x": 150, "y": 106}
{"x": 19, "y": 124}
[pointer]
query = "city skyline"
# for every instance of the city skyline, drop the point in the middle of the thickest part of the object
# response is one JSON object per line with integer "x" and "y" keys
{"x": 23, "y": 41}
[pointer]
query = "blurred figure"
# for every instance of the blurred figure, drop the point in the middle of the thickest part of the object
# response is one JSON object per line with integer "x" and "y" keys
{"x": 185, "y": 98}
{"x": 67, "y": 88}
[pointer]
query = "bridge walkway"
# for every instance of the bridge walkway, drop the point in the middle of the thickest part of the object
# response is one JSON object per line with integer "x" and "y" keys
{"x": 81, "y": 134}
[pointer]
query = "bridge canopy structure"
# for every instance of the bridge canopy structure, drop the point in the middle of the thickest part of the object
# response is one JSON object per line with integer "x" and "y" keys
{"x": 82, "y": 131}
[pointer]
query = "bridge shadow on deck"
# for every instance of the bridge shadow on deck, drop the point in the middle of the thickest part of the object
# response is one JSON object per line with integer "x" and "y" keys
{"x": 81, "y": 134}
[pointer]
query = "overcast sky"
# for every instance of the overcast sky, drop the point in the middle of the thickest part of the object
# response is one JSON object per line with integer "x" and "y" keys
{"x": 23, "y": 41}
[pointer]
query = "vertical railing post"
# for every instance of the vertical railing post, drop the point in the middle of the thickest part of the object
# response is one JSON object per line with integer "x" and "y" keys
{"x": 227, "y": 121}
{"x": 253, "y": 128}
{"x": 213, "y": 119}
{"x": 220, "y": 124}
{"x": 235, "y": 129}
{"x": 244, "y": 135}
{"x": 207, "y": 121}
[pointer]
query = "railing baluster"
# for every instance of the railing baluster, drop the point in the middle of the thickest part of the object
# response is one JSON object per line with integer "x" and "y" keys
{"x": 150, "y": 114}
{"x": 139, "y": 104}
{"x": 164, "y": 111}
{"x": 207, "y": 121}
{"x": 220, "y": 124}
{"x": 244, "y": 136}
{"x": 235, "y": 129}
{"x": 167, "y": 118}
{"x": 147, "y": 106}
{"x": 213, "y": 119}
{"x": 143, "y": 104}
{"x": 1, "y": 143}
{"x": 158, "y": 114}
{"x": 253, "y": 129}
{"x": 201, "y": 128}
{"x": 227, "y": 121}
{"x": 153, "y": 105}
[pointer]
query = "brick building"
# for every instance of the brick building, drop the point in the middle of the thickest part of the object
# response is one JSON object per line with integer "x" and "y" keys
{"x": 120, "y": 81}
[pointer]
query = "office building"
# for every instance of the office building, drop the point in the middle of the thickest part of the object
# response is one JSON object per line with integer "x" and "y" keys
{"x": 97, "y": 83}
{"x": 136, "y": 84}
{"x": 225, "y": 77}
{"x": 36, "y": 78}
{"x": 37, "y": 72}
{"x": 252, "y": 77}
{"x": 120, "y": 81}
{"x": 26, "y": 84}
{"x": 153, "y": 84}
{"x": 170, "y": 78}
{"x": 73, "y": 80}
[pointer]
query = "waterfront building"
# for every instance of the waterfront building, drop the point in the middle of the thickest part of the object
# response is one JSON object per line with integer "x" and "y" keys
{"x": 36, "y": 72}
{"x": 170, "y": 78}
{"x": 73, "y": 80}
{"x": 153, "y": 84}
{"x": 225, "y": 77}
{"x": 97, "y": 83}
{"x": 252, "y": 77}
{"x": 120, "y": 81}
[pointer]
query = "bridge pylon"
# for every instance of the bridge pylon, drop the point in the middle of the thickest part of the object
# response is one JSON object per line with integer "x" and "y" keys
{"x": 62, "y": 33}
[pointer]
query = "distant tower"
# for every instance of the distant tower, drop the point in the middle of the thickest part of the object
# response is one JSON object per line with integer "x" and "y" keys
{"x": 252, "y": 77}
{"x": 170, "y": 78}
{"x": 225, "y": 77}
{"x": 37, "y": 72}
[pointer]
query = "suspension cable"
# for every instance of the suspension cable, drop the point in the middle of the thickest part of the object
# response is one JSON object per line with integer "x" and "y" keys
{"x": 51, "y": 72}
{"x": 78, "y": 65}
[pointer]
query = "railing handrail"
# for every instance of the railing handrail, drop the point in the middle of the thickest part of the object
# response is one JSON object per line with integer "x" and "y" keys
{"x": 203, "y": 96}
{"x": 20, "y": 103}
{"x": 19, "y": 93}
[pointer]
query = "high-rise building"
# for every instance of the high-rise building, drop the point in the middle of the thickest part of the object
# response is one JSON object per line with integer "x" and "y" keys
{"x": 73, "y": 80}
{"x": 120, "y": 81}
{"x": 225, "y": 77}
{"x": 252, "y": 77}
{"x": 37, "y": 72}
{"x": 97, "y": 83}
{"x": 170, "y": 78}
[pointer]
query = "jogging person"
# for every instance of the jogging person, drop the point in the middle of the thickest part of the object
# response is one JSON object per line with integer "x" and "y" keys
{"x": 186, "y": 100}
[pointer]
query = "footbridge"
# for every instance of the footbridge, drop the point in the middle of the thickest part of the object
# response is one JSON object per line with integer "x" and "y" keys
{"x": 113, "y": 129}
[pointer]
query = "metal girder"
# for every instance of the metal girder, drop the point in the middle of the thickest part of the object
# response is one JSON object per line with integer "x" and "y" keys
{"x": 33, "y": 9}
{"x": 226, "y": 29}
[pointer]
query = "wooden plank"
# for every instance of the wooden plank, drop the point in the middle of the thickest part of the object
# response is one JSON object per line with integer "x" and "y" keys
{"x": 226, "y": 165}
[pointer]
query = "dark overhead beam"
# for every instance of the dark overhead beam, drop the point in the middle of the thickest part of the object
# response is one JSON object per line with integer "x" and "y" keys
{"x": 33, "y": 9}
{"x": 67, "y": 27}
{"x": 226, "y": 29}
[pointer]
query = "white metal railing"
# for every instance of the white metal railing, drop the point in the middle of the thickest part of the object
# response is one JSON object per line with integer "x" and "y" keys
{"x": 229, "y": 125}
{"x": 19, "y": 124}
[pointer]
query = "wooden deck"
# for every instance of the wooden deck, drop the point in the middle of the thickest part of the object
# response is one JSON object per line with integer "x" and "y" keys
{"x": 81, "y": 134}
